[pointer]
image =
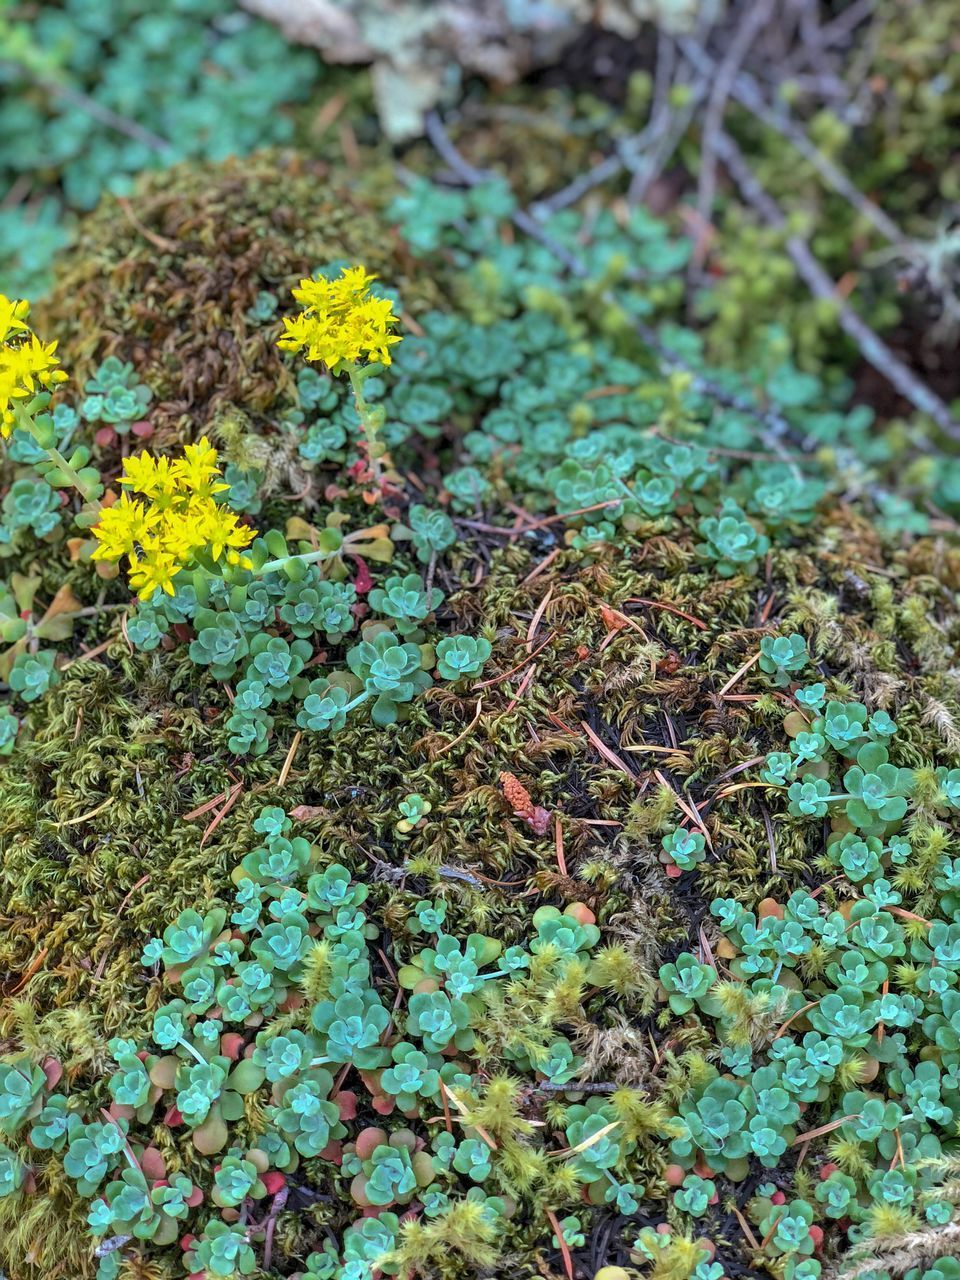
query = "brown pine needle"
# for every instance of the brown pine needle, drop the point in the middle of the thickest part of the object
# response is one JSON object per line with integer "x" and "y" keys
{"x": 460, "y": 736}
{"x": 28, "y": 974}
{"x": 558, "y": 838}
{"x": 691, "y": 812}
{"x": 772, "y": 1232}
{"x": 545, "y": 563}
{"x": 669, "y": 608}
{"x": 793, "y": 1017}
{"x": 485, "y": 684}
{"x": 605, "y": 751}
{"x": 288, "y": 763}
{"x": 208, "y": 805}
{"x": 748, "y": 1235}
{"x": 232, "y": 799}
{"x": 741, "y": 672}
{"x": 535, "y": 620}
{"x": 522, "y": 687}
{"x": 810, "y": 1134}
{"x": 564, "y": 1248}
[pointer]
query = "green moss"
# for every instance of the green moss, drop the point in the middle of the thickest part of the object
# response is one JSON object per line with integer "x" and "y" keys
{"x": 632, "y": 697}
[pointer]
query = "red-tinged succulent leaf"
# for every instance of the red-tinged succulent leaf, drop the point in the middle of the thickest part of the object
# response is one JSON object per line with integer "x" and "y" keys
{"x": 231, "y": 1045}
{"x": 347, "y": 1103}
{"x": 53, "y": 1070}
{"x": 369, "y": 1139}
{"x": 164, "y": 1071}
{"x": 211, "y": 1136}
{"x": 152, "y": 1164}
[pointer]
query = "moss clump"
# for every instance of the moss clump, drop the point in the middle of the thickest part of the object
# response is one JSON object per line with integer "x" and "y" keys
{"x": 167, "y": 282}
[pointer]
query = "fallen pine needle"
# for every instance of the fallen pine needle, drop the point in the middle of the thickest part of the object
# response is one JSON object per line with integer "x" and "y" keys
{"x": 605, "y": 751}
{"x": 535, "y": 620}
{"x": 748, "y": 1235}
{"x": 587, "y": 1142}
{"x": 669, "y": 608}
{"x": 98, "y": 974}
{"x": 485, "y": 684}
{"x": 83, "y": 817}
{"x": 738, "y": 786}
{"x": 34, "y": 966}
{"x": 208, "y": 805}
{"x": 522, "y": 686}
{"x": 288, "y": 763}
{"x": 793, "y": 1017}
{"x": 555, "y": 719}
{"x": 741, "y": 672}
{"x": 460, "y": 736}
{"x": 445, "y": 1089}
{"x": 564, "y": 1248}
{"x": 231, "y": 800}
{"x": 691, "y": 813}
{"x": 558, "y": 838}
{"x": 772, "y": 1232}
{"x": 545, "y": 563}
{"x": 89, "y": 653}
{"x": 824, "y": 1128}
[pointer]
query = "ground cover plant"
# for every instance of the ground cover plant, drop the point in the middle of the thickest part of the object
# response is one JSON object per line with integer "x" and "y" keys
{"x": 481, "y": 755}
{"x": 435, "y": 781}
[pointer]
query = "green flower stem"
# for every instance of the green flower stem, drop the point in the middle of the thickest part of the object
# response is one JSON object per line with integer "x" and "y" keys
{"x": 25, "y": 420}
{"x": 308, "y": 557}
{"x": 369, "y": 421}
{"x": 190, "y": 1049}
{"x": 60, "y": 461}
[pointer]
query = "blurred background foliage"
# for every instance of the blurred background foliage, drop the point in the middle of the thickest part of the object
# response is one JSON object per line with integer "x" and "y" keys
{"x": 843, "y": 118}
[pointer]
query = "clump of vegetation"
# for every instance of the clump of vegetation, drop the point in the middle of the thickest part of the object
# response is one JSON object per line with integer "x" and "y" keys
{"x": 92, "y": 97}
{"x": 493, "y": 809}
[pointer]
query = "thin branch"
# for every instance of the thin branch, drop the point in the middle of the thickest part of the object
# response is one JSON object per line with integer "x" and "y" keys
{"x": 748, "y": 93}
{"x": 676, "y": 122}
{"x": 89, "y": 106}
{"x": 602, "y": 172}
{"x": 755, "y": 17}
{"x": 844, "y": 23}
{"x": 773, "y": 426}
{"x": 873, "y": 349}
{"x": 643, "y": 154}
{"x": 472, "y": 177}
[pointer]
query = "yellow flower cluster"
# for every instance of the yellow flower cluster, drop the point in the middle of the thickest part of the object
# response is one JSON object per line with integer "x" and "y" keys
{"x": 175, "y": 519}
{"x": 27, "y": 365}
{"x": 341, "y": 321}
